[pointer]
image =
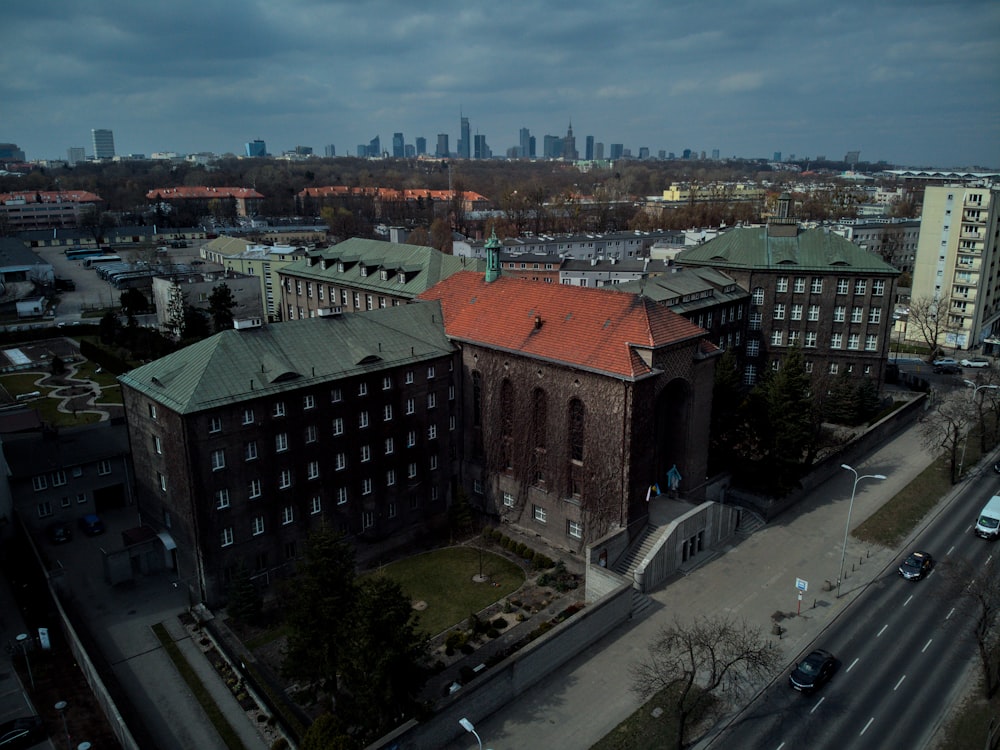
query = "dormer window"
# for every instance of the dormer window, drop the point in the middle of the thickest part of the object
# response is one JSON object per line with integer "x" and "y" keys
{"x": 402, "y": 277}
{"x": 340, "y": 267}
{"x": 364, "y": 270}
{"x": 384, "y": 275}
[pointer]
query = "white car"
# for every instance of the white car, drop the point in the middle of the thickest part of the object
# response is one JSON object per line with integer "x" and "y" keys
{"x": 975, "y": 362}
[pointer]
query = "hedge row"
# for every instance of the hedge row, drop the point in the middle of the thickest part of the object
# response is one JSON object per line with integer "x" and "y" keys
{"x": 522, "y": 550}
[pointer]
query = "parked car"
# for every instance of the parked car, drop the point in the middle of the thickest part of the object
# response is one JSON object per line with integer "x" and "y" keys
{"x": 58, "y": 532}
{"x": 942, "y": 361}
{"x": 947, "y": 369}
{"x": 916, "y": 566}
{"x": 21, "y": 732}
{"x": 975, "y": 362}
{"x": 812, "y": 672}
{"x": 91, "y": 524}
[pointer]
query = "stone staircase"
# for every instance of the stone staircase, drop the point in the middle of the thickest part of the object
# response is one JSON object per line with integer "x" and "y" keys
{"x": 750, "y": 522}
{"x": 637, "y": 550}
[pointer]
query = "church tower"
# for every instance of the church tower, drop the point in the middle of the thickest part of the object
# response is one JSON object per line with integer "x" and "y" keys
{"x": 492, "y": 247}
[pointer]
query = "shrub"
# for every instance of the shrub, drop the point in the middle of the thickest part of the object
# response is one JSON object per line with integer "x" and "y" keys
{"x": 499, "y": 623}
{"x": 492, "y": 633}
{"x": 455, "y": 639}
{"x": 522, "y": 550}
{"x": 467, "y": 648}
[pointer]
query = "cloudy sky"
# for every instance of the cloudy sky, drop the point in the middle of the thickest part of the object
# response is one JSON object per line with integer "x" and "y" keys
{"x": 911, "y": 82}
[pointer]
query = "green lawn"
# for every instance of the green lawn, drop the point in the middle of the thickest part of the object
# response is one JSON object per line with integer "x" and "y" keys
{"x": 444, "y": 580}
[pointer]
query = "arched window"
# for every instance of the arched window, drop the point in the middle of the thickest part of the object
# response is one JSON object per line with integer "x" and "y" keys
{"x": 576, "y": 429}
{"x": 539, "y": 417}
{"x": 477, "y": 399}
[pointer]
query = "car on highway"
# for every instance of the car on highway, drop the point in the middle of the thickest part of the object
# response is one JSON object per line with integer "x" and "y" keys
{"x": 942, "y": 361}
{"x": 813, "y": 672}
{"x": 91, "y": 524}
{"x": 21, "y": 732}
{"x": 975, "y": 362}
{"x": 947, "y": 369}
{"x": 916, "y": 566}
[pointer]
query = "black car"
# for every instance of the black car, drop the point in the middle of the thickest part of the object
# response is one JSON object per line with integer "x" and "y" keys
{"x": 947, "y": 369}
{"x": 58, "y": 532}
{"x": 23, "y": 732}
{"x": 916, "y": 566}
{"x": 812, "y": 672}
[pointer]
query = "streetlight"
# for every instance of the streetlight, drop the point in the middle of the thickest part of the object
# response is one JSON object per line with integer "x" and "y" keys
{"x": 61, "y": 708}
{"x": 22, "y": 641}
{"x": 850, "y": 508}
{"x": 467, "y": 726}
{"x": 965, "y": 443}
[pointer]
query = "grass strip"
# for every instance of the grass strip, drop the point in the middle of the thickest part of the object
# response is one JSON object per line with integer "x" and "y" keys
{"x": 201, "y": 694}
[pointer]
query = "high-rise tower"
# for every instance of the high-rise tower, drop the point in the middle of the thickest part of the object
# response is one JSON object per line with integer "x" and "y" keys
{"x": 104, "y": 144}
{"x": 465, "y": 141}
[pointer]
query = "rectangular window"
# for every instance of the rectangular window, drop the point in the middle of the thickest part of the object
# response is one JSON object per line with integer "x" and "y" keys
{"x": 313, "y": 470}
{"x": 432, "y": 400}
{"x": 871, "y": 342}
{"x": 389, "y": 445}
{"x": 796, "y": 312}
{"x": 750, "y": 375}
{"x": 157, "y": 446}
{"x": 281, "y": 442}
{"x": 336, "y": 395}
{"x": 753, "y": 348}
{"x": 793, "y": 338}
{"x": 152, "y": 411}
{"x": 278, "y": 409}
{"x": 65, "y": 502}
{"x": 411, "y": 438}
{"x": 508, "y": 500}
{"x": 875, "y": 315}
{"x": 539, "y": 513}
{"x": 104, "y": 467}
{"x": 386, "y": 383}
{"x": 316, "y": 505}
{"x": 311, "y": 434}
{"x": 39, "y": 483}
{"x": 816, "y": 287}
{"x": 409, "y": 377}
{"x": 758, "y": 295}
{"x": 250, "y": 450}
{"x": 813, "y": 313}
{"x": 878, "y": 287}
{"x": 221, "y": 499}
{"x": 434, "y": 462}
{"x": 338, "y": 426}
{"x": 777, "y": 338}
{"x": 411, "y": 471}
{"x": 430, "y": 372}
{"x": 836, "y": 340}
{"x": 366, "y": 453}
{"x": 477, "y": 486}
{"x": 839, "y": 314}
{"x": 782, "y": 284}
{"x": 215, "y": 424}
{"x": 362, "y": 389}
{"x": 258, "y": 525}
{"x": 410, "y": 406}
{"x": 834, "y": 368}
{"x": 800, "y": 284}
{"x": 387, "y": 412}
{"x": 755, "y": 321}
{"x": 843, "y": 286}
{"x": 432, "y": 432}
{"x": 856, "y": 314}
{"x": 218, "y": 460}
{"x": 254, "y": 488}
{"x": 810, "y": 340}
{"x": 341, "y": 495}
{"x": 248, "y": 416}
{"x": 162, "y": 480}
{"x": 287, "y": 515}
{"x": 779, "y": 312}
{"x": 367, "y": 519}
{"x": 341, "y": 461}
{"x": 860, "y": 285}
{"x": 451, "y": 393}
{"x": 227, "y": 536}
{"x": 285, "y": 479}
{"x": 392, "y": 510}
{"x": 854, "y": 341}
{"x": 574, "y": 529}
{"x": 390, "y": 478}
{"x": 309, "y": 401}
{"x": 366, "y": 486}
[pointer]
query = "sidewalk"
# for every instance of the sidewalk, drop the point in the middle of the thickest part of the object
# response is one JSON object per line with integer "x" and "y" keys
{"x": 587, "y": 698}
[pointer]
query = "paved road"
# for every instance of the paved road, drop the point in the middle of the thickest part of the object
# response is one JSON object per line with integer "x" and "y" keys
{"x": 586, "y": 699}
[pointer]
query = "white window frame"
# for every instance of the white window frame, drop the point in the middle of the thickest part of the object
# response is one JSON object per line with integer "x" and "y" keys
{"x": 222, "y": 498}
{"x": 285, "y": 479}
{"x": 215, "y": 424}
{"x": 278, "y": 409}
{"x": 539, "y": 514}
{"x": 281, "y": 442}
{"x": 258, "y": 525}
{"x": 218, "y": 460}
{"x": 338, "y": 426}
{"x": 287, "y": 515}
{"x": 313, "y": 470}
{"x": 254, "y": 490}
{"x": 227, "y": 536}
{"x": 316, "y": 505}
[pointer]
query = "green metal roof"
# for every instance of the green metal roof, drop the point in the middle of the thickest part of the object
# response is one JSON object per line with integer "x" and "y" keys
{"x": 239, "y": 365}
{"x": 807, "y": 250}
{"x": 424, "y": 266}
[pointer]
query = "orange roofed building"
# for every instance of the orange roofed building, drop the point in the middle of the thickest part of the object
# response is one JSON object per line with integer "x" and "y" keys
{"x": 247, "y": 200}
{"x": 311, "y": 199}
{"x": 575, "y": 401}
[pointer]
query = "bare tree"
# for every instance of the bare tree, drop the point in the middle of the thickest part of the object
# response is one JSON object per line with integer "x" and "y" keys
{"x": 928, "y": 322}
{"x": 696, "y": 665}
{"x": 946, "y": 425}
{"x": 979, "y": 589}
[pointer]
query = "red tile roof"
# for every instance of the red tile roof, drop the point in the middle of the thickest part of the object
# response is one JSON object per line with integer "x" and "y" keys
{"x": 184, "y": 192}
{"x": 52, "y": 196}
{"x": 588, "y": 328}
{"x": 388, "y": 194}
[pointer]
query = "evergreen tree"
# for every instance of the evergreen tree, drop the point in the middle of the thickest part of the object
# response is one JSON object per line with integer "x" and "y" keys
{"x": 195, "y": 324}
{"x": 245, "y": 601}
{"x": 727, "y": 397}
{"x": 220, "y": 304}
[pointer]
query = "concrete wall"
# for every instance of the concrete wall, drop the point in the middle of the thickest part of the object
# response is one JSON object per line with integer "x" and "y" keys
{"x": 504, "y": 682}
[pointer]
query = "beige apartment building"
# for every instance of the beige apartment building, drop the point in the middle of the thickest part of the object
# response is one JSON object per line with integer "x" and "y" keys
{"x": 956, "y": 262}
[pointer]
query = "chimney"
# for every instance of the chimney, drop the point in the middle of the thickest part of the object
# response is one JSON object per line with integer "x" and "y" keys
{"x": 538, "y": 322}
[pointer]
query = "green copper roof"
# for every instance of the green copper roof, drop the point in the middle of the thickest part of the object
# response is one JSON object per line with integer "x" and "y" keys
{"x": 239, "y": 365}
{"x": 807, "y": 250}
{"x": 364, "y": 260}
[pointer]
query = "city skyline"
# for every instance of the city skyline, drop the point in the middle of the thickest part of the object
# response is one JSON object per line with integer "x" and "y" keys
{"x": 913, "y": 84}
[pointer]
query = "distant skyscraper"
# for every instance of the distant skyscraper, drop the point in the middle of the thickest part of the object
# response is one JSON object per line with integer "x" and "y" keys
{"x": 569, "y": 151}
{"x": 464, "y": 142}
{"x": 398, "y": 149}
{"x": 643, "y": 152}
{"x": 409, "y": 150}
{"x": 104, "y": 144}
{"x": 531, "y": 147}
{"x": 686, "y": 153}
{"x": 777, "y": 156}
{"x": 362, "y": 150}
{"x": 661, "y": 154}
{"x": 715, "y": 154}
{"x": 852, "y": 158}
{"x": 525, "y": 143}
{"x": 617, "y": 149}
{"x": 256, "y": 148}
{"x": 375, "y": 147}
{"x": 599, "y": 150}
{"x": 421, "y": 145}
{"x": 482, "y": 151}
{"x": 551, "y": 147}
{"x": 442, "y": 147}
{"x": 12, "y": 152}
{"x": 76, "y": 154}
{"x": 589, "y": 148}
{"x": 330, "y": 150}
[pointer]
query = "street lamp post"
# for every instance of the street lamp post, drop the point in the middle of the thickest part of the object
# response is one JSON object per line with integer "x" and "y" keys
{"x": 22, "y": 641}
{"x": 847, "y": 531}
{"x": 975, "y": 391}
{"x": 468, "y": 727}
{"x": 61, "y": 708}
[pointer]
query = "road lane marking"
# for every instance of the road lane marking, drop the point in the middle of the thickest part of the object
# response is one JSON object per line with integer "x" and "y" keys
{"x": 882, "y": 630}
{"x": 852, "y": 665}
{"x": 780, "y": 746}
{"x": 989, "y": 559}
{"x": 946, "y": 554}
{"x": 899, "y": 683}
{"x": 908, "y": 600}
{"x": 867, "y": 725}
{"x": 948, "y": 616}
{"x": 817, "y": 704}
{"x": 926, "y": 645}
